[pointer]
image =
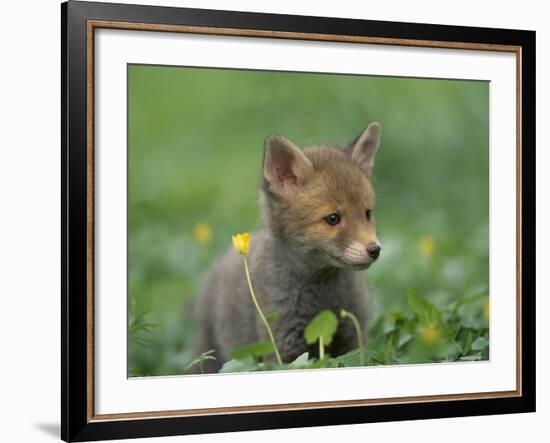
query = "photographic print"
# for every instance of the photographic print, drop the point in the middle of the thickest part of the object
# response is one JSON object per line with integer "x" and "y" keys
{"x": 276, "y": 221}
{"x": 284, "y": 221}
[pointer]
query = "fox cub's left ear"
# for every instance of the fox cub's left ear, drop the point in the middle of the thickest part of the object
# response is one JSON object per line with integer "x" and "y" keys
{"x": 363, "y": 148}
{"x": 285, "y": 165}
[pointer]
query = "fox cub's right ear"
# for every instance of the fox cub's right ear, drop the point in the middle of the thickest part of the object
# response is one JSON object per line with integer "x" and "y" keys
{"x": 363, "y": 148}
{"x": 285, "y": 165}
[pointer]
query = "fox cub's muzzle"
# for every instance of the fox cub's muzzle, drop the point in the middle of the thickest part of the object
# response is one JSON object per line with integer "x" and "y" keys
{"x": 359, "y": 255}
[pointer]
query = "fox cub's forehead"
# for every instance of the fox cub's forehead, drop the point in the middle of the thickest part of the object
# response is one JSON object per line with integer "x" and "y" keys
{"x": 339, "y": 175}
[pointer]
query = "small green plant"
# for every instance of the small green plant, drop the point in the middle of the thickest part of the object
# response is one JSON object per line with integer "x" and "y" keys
{"x": 426, "y": 312}
{"x": 321, "y": 329}
{"x": 139, "y": 327}
{"x": 199, "y": 361}
{"x": 423, "y": 333}
{"x": 358, "y": 333}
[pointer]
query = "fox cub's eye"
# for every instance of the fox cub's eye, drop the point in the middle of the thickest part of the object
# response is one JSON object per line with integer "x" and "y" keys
{"x": 332, "y": 219}
{"x": 369, "y": 214}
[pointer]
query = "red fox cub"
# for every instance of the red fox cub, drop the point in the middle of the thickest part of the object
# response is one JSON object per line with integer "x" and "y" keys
{"x": 317, "y": 207}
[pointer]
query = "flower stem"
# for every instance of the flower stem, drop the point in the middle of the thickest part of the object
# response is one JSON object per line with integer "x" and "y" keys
{"x": 359, "y": 334}
{"x": 261, "y": 314}
{"x": 321, "y": 348}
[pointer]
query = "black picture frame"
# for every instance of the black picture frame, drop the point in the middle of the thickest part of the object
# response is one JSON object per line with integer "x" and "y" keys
{"x": 76, "y": 422}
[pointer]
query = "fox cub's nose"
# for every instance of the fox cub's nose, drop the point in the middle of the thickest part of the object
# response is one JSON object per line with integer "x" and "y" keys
{"x": 374, "y": 250}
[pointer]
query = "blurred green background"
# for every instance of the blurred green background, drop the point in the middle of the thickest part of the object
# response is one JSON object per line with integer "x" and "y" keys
{"x": 195, "y": 145}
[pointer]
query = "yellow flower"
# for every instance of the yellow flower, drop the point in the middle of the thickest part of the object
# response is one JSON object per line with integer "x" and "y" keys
{"x": 241, "y": 243}
{"x": 486, "y": 310}
{"x": 430, "y": 335}
{"x": 202, "y": 233}
{"x": 426, "y": 246}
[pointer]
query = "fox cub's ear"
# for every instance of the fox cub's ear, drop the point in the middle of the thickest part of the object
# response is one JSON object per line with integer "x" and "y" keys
{"x": 364, "y": 148}
{"x": 285, "y": 163}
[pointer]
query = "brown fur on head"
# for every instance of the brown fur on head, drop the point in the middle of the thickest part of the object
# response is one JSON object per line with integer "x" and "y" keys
{"x": 320, "y": 200}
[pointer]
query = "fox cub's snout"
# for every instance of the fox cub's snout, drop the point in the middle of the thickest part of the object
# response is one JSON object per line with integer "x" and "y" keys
{"x": 321, "y": 199}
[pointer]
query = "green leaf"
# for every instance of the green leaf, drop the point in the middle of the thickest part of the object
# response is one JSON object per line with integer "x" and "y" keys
{"x": 374, "y": 348}
{"x": 301, "y": 362}
{"x": 252, "y": 350}
{"x": 426, "y": 311}
{"x": 301, "y": 359}
{"x": 272, "y": 316}
{"x": 243, "y": 365}
{"x": 349, "y": 360}
{"x": 467, "y": 344}
{"x": 323, "y": 325}
{"x": 404, "y": 339}
{"x": 480, "y": 344}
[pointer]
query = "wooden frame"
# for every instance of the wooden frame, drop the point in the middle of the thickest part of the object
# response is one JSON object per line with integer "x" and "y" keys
{"x": 79, "y": 21}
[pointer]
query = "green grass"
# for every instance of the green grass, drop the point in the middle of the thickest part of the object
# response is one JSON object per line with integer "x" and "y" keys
{"x": 194, "y": 157}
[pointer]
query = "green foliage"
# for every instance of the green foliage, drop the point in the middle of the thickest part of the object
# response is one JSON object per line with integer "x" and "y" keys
{"x": 398, "y": 338}
{"x": 480, "y": 344}
{"x": 139, "y": 328}
{"x": 249, "y": 364}
{"x": 322, "y": 326}
{"x": 199, "y": 361}
{"x": 246, "y": 364}
{"x": 425, "y": 311}
{"x": 195, "y": 147}
{"x": 253, "y": 350}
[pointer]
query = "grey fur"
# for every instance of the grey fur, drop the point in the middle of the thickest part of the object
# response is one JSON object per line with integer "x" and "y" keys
{"x": 296, "y": 269}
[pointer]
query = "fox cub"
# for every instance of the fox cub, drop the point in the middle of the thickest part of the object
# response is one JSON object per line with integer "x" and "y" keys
{"x": 317, "y": 207}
